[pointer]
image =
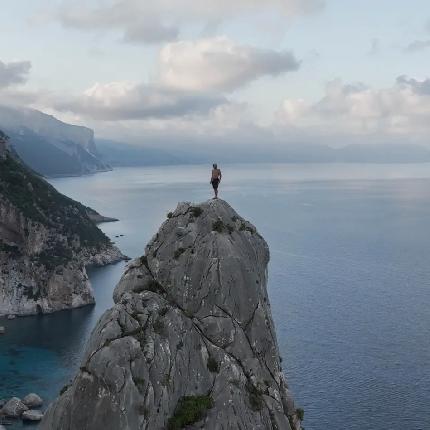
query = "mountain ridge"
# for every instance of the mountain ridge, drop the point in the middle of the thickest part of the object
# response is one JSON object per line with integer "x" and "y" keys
{"x": 50, "y": 146}
{"x": 119, "y": 154}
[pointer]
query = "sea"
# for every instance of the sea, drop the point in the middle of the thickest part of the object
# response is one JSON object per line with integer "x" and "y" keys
{"x": 349, "y": 282}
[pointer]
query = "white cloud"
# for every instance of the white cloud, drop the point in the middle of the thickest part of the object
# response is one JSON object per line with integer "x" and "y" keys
{"x": 132, "y": 101}
{"x": 149, "y": 21}
{"x": 357, "y": 110}
{"x": 14, "y": 73}
{"x": 192, "y": 79}
{"x": 225, "y": 123}
{"x": 219, "y": 64}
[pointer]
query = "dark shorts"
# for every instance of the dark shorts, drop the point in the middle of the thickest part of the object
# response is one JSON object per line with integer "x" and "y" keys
{"x": 215, "y": 183}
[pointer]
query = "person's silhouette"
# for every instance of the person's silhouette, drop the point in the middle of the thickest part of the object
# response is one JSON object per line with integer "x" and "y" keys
{"x": 215, "y": 178}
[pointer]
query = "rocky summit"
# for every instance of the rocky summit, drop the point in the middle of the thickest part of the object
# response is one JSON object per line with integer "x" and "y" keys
{"x": 190, "y": 342}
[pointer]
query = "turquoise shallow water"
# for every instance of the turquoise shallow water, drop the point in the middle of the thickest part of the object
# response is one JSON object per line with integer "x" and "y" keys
{"x": 349, "y": 282}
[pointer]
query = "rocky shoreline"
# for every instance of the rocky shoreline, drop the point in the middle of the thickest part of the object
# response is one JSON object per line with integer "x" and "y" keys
{"x": 46, "y": 242}
{"x": 31, "y": 288}
{"x": 27, "y": 409}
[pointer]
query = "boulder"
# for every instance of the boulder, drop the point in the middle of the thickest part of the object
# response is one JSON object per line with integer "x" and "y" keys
{"x": 32, "y": 415}
{"x": 32, "y": 400}
{"x": 2, "y": 330}
{"x": 14, "y": 408}
{"x": 190, "y": 342}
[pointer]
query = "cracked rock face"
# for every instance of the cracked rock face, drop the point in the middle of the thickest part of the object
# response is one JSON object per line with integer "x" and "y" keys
{"x": 46, "y": 242}
{"x": 191, "y": 318}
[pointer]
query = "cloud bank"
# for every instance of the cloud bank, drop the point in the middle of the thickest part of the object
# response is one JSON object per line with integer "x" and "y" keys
{"x": 358, "y": 110}
{"x": 153, "y": 22}
{"x": 14, "y": 73}
{"x": 193, "y": 78}
{"x": 131, "y": 101}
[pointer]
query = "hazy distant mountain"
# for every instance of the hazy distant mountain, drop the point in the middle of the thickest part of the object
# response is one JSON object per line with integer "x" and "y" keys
{"x": 49, "y": 146}
{"x": 380, "y": 153}
{"x": 120, "y": 154}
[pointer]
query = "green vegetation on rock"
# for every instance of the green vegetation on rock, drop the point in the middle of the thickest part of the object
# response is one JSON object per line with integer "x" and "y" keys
{"x": 154, "y": 286}
{"x": 10, "y": 249}
{"x": 218, "y": 226}
{"x": 189, "y": 410}
{"x": 213, "y": 365}
{"x": 196, "y": 211}
{"x": 255, "y": 397}
{"x": 38, "y": 201}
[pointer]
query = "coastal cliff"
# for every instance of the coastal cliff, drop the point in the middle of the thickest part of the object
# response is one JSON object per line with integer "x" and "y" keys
{"x": 49, "y": 146}
{"x": 190, "y": 342}
{"x": 46, "y": 241}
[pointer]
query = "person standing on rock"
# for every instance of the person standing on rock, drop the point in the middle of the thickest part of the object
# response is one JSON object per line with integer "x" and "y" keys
{"x": 216, "y": 178}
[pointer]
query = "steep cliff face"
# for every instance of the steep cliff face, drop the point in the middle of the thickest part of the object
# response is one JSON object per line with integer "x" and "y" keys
{"x": 190, "y": 342}
{"x": 46, "y": 240}
{"x": 49, "y": 146}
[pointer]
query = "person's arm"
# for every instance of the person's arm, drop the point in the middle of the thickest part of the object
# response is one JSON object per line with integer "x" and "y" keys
{"x": 220, "y": 175}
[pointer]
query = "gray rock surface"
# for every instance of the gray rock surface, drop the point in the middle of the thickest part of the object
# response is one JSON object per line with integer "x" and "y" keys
{"x": 46, "y": 242}
{"x": 32, "y": 415}
{"x": 191, "y": 318}
{"x": 32, "y": 400}
{"x": 14, "y": 408}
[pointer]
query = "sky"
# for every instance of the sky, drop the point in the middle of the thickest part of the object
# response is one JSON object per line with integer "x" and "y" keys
{"x": 291, "y": 71}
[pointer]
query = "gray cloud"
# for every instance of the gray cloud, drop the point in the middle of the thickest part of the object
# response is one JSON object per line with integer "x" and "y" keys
{"x": 150, "y": 32}
{"x": 127, "y": 101}
{"x": 124, "y": 16}
{"x": 152, "y": 22}
{"x": 418, "y": 45}
{"x": 421, "y": 88}
{"x": 14, "y": 73}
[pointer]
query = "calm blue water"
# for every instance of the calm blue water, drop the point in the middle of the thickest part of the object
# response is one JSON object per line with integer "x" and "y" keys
{"x": 349, "y": 283}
